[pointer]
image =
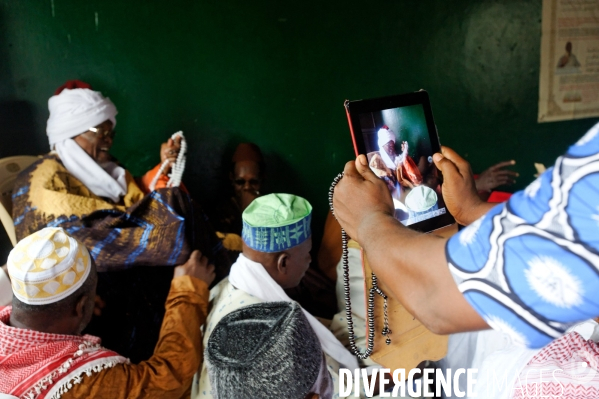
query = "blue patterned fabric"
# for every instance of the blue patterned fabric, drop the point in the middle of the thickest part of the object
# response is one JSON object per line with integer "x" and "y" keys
{"x": 530, "y": 267}
{"x": 276, "y": 222}
{"x": 277, "y": 239}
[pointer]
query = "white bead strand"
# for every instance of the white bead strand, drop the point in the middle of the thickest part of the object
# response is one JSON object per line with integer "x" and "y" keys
{"x": 177, "y": 169}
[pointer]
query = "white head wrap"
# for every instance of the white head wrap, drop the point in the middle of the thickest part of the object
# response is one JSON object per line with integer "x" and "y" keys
{"x": 385, "y": 135}
{"x": 107, "y": 180}
{"x": 252, "y": 277}
{"x": 74, "y": 111}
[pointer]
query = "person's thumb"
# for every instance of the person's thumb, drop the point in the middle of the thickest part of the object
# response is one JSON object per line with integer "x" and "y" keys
{"x": 195, "y": 256}
{"x": 446, "y": 166}
{"x": 364, "y": 169}
{"x": 460, "y": 163}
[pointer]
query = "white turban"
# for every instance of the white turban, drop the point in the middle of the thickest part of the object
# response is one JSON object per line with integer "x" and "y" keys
{"x": 74, "y": 111}
{"x": 385, "y": 135}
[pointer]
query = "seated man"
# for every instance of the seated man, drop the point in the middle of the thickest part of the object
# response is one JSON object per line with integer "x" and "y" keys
{"x": 43, "y": 353}
{"x": 80, "y": 177}
{"x": 246, "y": 177}
{"x": 394, "y": 168}
{"x": 243, "y": 370}
{"x": 79, "y": 187}
{"x": 415, "y": 189}
{"x": 276, "y": 254}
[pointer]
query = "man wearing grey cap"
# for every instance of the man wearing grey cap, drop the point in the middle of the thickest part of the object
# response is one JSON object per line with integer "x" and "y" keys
{"x": 276, "y": 253}
{"x": 267, "y": 350}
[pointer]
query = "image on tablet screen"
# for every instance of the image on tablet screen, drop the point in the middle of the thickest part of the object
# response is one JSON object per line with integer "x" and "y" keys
{"x": 399, "y": 151}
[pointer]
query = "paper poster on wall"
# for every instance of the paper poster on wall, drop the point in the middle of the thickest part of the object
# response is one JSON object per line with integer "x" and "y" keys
{"x": 569, "y": 81}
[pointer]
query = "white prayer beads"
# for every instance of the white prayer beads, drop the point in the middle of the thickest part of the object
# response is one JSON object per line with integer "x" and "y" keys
{"x": 177, "y": 169}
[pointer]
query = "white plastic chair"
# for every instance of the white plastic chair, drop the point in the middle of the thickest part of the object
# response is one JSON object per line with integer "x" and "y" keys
{"x": 10, "y": 167}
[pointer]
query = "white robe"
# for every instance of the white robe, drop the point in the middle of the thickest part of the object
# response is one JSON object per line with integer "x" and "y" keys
{"x": 224, "y": 299}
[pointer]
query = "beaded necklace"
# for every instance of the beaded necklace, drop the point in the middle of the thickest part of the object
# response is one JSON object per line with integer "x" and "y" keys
{"x": 373, "y": 290}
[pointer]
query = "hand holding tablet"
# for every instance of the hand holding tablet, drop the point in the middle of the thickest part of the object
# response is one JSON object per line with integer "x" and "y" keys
{"x": 397, "y": 135}
{"x": 393, "y": 179}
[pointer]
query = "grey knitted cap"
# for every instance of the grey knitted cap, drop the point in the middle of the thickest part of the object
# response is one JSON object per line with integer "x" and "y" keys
{"x": 266, "y": 350}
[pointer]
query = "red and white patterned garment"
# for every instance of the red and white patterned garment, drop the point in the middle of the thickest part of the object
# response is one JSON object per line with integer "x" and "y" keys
{"x": 36, "y": 365}
{"x": 566, "y": 368}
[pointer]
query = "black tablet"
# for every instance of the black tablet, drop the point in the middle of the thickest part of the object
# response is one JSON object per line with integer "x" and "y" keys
{"x": 399, "y": 137}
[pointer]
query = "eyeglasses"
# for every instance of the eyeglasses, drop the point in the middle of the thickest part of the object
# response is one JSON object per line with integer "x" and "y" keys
{"x": 242, "y": 182}
{"x": 102, "y": 133}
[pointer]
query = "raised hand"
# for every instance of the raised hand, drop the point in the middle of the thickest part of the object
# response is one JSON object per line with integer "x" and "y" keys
{"x": 170, "y": 150}
{"x": 496, "y": 176}
{"x": 197, "y": 266}
{"x": 359, "y": 196}
{"x": 459, "y": 190}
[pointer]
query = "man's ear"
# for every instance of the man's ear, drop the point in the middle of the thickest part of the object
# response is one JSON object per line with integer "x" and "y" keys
{"x": 282, "y": 260}
{"x": 80, "y": 306}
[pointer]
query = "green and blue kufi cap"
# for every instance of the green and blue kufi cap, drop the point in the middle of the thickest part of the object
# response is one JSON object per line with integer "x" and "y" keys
{"x": 276, "y": 222}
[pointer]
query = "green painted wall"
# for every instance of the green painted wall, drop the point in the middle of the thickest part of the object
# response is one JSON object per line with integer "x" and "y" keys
{"x": 277, "y": 73}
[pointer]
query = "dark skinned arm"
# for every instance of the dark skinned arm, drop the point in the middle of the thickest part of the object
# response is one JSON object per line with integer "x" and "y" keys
{"x": 178, "y": 353}
{"x": 496, "y": 176}
{"x": 410, "y": 264}
{"x": 459, "y": 188}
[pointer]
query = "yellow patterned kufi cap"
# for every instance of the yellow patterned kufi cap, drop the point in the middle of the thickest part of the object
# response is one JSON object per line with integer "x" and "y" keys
{"x": 47, "y": 266}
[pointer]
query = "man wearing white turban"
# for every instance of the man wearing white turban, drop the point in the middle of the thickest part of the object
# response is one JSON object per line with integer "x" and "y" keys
{"x": 81, "y": 129}
{"x": 78, "y": 186}
{"x": 394, "y": 168}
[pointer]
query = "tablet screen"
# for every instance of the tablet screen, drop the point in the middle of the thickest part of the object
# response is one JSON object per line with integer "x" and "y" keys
{"x": 398, "y": 146}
